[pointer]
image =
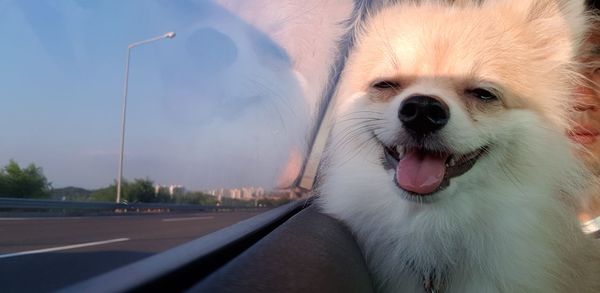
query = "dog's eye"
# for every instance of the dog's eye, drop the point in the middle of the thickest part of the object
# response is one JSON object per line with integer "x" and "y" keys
{"x": 482, "y": 94}
{"x": 385, "y": 85}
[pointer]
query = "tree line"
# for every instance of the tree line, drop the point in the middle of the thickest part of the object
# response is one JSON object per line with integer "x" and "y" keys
{"x": 30, "y": 182}
{"x": 27, "y": 182}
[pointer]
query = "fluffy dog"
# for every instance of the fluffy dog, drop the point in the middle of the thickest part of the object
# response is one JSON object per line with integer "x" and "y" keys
{"x": 448, "y": 158}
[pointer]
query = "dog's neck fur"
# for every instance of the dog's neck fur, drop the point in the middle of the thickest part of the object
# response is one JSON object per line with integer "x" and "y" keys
{"x": 439, "y": 256}
{"x": 433, "y": 279}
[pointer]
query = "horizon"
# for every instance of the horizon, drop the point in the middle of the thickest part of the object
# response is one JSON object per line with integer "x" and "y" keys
{"x": 270, "y": 189}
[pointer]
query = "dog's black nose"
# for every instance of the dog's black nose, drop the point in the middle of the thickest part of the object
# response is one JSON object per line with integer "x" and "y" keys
{"x": 423, "y": 114}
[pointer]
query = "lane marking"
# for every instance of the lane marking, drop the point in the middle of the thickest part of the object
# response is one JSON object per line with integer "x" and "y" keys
{"x": 41, "y": 218}
{"x": 188, "y": 219}
{"x": 62, "y": 247}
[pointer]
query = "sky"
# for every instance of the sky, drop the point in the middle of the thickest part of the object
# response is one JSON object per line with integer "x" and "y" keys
{"x": 227, "y": 103}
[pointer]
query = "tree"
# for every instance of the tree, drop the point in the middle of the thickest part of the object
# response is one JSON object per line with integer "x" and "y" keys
{"x": 196, "y": 198}
{"x": 28, "y": 182}
{"x": 108, "y": 193}
{"x": 140, "y": 190}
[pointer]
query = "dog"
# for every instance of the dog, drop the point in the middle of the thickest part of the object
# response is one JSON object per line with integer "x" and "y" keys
{"x": 448, "y": 158}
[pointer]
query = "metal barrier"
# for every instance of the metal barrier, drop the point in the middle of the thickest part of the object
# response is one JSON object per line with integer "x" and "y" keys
{"x": 22, "y": 203}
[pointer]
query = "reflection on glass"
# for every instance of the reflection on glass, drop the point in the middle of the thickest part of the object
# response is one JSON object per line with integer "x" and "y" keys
{"x": 217, "y": 117}
{"x": 227, "y": 104}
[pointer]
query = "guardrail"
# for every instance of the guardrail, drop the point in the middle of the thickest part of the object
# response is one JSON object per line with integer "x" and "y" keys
{"x": 21, "y": 203}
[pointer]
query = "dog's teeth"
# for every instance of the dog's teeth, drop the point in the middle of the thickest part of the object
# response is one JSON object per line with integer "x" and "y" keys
{"x": 400, "y": 151}
{"x": 452, "y": 162}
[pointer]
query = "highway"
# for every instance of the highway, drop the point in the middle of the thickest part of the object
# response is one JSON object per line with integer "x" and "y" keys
{"x": 45, "y": 254}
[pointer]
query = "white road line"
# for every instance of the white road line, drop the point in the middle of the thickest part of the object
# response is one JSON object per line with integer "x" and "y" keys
{"x": 188, "y": 219}
{"x": 41, "y": 218}
{"x": 62, "y": 247}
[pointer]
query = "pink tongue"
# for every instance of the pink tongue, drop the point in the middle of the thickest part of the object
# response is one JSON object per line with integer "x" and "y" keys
{"x": 421, "y": 172}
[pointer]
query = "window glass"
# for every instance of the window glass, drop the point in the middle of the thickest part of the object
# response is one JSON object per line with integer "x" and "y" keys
{"x": 221, "y": 98}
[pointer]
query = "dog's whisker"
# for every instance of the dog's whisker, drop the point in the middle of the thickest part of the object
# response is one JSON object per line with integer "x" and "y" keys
{"x": 352, "y": 133}
{"x": 359, "y": 149}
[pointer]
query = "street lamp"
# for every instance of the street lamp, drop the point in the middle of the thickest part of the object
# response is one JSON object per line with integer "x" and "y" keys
{"x": 168, "y": 35}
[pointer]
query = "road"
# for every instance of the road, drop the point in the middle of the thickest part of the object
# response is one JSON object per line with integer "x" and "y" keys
{"x": 44, "y": 254}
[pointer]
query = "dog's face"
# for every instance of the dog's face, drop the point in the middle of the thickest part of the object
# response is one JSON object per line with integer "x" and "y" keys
{"x": 438, "y": 98}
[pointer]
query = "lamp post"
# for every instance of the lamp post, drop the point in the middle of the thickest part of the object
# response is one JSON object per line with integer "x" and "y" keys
{"x": 168, "y": 35}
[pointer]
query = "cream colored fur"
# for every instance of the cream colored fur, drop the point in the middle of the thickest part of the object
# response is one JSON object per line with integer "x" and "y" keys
{"x": 507, "y": 225}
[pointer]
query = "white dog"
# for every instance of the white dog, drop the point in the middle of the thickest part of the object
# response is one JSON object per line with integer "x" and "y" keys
{"x": 448, "y": 157}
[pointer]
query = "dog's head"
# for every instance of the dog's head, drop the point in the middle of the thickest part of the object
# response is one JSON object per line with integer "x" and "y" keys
{"x": 437, "y": 97}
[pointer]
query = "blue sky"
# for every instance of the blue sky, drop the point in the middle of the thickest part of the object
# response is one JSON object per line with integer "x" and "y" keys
{"x": 222, "y": 104}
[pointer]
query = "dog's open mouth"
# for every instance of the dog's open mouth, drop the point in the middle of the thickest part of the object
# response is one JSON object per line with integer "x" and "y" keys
{"x": 423, "y": 172}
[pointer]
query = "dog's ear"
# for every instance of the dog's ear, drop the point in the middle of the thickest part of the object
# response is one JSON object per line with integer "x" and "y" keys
{"x": 559, "y": 12}
{"x": 555, "y": 26}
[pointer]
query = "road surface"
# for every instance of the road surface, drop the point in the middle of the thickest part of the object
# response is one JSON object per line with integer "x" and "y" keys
{"x": 45, "y": 254}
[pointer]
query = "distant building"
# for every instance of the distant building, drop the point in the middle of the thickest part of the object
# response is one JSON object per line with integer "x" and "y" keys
{"x": 218, "y": 193}
{"x": 242, "y": 193}
{"x": 259, "y": 192}
{"x": 171, "y": 189}
{"x": 247, "y": 193}
{"x": 235, "y": 193}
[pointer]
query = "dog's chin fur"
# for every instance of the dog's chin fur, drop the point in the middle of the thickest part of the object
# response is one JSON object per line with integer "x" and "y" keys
{"x": 506, "y": 225}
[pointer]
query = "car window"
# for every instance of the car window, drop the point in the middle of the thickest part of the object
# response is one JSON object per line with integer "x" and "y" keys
{"x": 212, "y": 106}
